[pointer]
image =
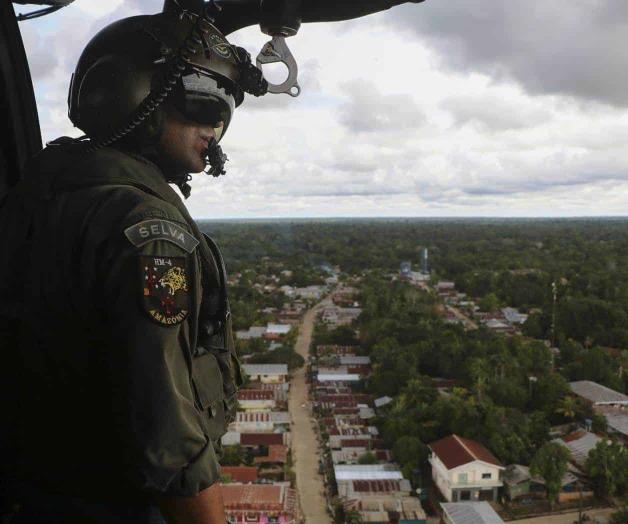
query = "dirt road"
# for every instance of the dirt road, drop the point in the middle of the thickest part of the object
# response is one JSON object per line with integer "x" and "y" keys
{"x": 304, "y": 444}
{"x": 566, "y": 518}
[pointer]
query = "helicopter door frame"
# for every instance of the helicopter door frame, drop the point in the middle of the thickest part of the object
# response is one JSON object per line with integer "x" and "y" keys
{"x": 19, "y": 120}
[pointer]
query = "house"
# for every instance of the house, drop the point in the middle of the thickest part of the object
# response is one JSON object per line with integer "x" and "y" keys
{"x": 276, "y": 331}
{"x": 338, "y": 377}
{"x": 608, "y": 402}
{"x": 367, "y": 472}
{"x": 259, "y": 440}
{"x": 271, "y": 465}
{"x": 260, "y": 421}
{"x": 382, "y": 401}
{"x": 382, "y": 501}
{"x": 267, "y": 373}
{"x": 579, "y": 444}
{"x": 513, "y": 316}
{"x": 518, "y": 483}
{"x": 252, "y": 332}
{"x": 354, "y": 360}
{"x": 256, "y": 399}
{"x": 310, "y": 292}
{"x": 464, "y": 470}
{"x": 469, "y": 513}
{"x": 616, "y": 420}
{"x": 259, "y": 503}
{"x": 240, "y": 474}
{"x": 598, "y": 395}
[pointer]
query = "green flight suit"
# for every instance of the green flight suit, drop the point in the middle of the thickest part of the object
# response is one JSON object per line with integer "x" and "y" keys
{"x": 121, "y": 386}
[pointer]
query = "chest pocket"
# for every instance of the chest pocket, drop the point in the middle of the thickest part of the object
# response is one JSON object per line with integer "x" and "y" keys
{"x": 208, "y": 385}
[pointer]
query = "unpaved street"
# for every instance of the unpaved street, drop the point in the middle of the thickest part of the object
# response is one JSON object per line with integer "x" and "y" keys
{"x": 566, "y": 518}
{"x": 304, "y": 444}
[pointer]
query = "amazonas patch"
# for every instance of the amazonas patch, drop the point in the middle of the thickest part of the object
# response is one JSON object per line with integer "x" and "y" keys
{"x": 165, "y": 286}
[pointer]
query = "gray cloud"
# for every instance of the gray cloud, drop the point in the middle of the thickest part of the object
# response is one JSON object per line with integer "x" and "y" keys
{"x": 559, "y": 47}
{"x": 494, "y": 113}
{"x": 369, "y": 111}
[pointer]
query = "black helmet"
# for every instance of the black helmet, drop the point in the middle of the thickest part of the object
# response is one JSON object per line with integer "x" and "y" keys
{"x": 129, "y": 68}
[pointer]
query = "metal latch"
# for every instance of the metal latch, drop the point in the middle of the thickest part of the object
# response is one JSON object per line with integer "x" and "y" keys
{"x": 275, "y": 51}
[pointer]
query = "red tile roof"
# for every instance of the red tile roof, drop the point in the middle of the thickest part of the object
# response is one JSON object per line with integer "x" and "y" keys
{"x": 276, "y": 453}
{"x": 255, "y": 394}
{"x": 454, "y": 451}
{"x": 261, "y": 439}
{"x": 252, "y": 496}
{"x": 240, "y": 473}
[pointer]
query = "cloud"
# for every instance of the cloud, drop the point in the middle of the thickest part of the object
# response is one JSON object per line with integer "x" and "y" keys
{"x": 495, "y": 112}
{"x": 431, "y": 118}
{"x": 558, "y": 47}
{"x": 369, "y": 111}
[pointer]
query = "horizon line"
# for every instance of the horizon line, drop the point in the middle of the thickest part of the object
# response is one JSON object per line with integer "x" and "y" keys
{"x": 426, "y": 217}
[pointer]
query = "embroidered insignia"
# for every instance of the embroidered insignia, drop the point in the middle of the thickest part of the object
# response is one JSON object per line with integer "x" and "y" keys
{"x": 149, "y": 230}
{"x": 165, "y": 288}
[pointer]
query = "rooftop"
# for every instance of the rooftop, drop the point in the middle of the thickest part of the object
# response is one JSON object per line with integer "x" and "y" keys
{"x": 351, "y": 360}
{"x": 596, "y": 393}
{"x": 579, "y": 444}
{"x": 240, "y": 473}
{"x": 370, "y": 472}
{"x": 279, "y": 329}
{"x": 337, "y": 377}
{"x": 471, "y": 513}
{"x": 454, "y": 451}
{"x": 276, "y": 453}
{"x": 261, "y": 439}
{"x": 265, "y": 369}
{"x": 255, "y": 394}
{"x": 254, "y": 497}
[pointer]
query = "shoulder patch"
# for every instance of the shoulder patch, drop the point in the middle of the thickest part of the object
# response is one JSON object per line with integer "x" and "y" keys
{"x": 165, "y": 288}
{"x": 149, "y": 230}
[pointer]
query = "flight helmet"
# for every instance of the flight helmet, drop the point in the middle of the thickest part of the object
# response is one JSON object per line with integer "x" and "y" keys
{"x": 131, "y": 67}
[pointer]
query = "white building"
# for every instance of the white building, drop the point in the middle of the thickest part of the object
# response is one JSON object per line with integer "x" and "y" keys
{"x": 513, "y": 316}
{"x": 464, "y": 470}
{"x": 252, "y": 332}
{"x": 267, "y": 373}
{"x": 338, "y": 377}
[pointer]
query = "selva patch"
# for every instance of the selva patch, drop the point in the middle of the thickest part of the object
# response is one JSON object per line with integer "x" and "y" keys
{"x": 165, "y": 288}
{"x": 149, "y": 230}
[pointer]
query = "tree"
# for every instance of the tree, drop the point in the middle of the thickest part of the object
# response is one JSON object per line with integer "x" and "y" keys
{"x": 598, "y": 423}
{"x": 479, "y": 372}
{"x": 567, "y": 408}
{"x": 607, "y": 465}
{"x": 368, "y": 458}
{"x": 550, "y": 462}
{"x": 353, "y": 517}
{"x": 489, "y": 303}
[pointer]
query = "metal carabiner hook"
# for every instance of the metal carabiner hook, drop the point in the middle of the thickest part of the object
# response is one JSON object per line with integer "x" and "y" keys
{"x": 275, "y": 51}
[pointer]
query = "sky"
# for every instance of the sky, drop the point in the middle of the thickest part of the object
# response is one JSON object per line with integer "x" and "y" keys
{"x": 444, "y": 108}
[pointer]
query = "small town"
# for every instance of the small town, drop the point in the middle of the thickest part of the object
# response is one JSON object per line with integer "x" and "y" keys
{"x": 307, "y": 444}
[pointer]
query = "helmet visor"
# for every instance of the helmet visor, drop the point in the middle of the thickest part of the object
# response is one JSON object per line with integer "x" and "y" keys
{"x": 204, "y": 101}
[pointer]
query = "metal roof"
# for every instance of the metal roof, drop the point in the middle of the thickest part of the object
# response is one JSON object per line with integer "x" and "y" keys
{"x": 368, "y": 472}
{"x": 349, "y": 360}
{"x": 265, "y": 369}
{"x": 580, "y": 445}
{"x": 337, "y": 377}
{"x": 470, "y": 513}
{"x": 596, "y": 393}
